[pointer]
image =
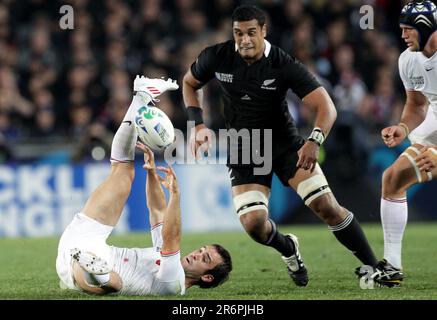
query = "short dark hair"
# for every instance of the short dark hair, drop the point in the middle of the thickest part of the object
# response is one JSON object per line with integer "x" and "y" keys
{"x": 247, "y": 13}
{"x": 221, "y": 271}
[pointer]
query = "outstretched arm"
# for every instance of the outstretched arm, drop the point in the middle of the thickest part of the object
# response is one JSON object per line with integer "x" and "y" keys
{"x": 154, "y": 193}
{"x": 171, "y": 230}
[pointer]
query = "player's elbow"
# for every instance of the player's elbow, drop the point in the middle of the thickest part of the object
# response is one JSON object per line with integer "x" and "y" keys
{"x": 187, "y": 81}
{"x": 329, "y": 107}
{"x": 333, "y": 112}
{"x": 326, "y": 108}
{"x": 190, "y": 84}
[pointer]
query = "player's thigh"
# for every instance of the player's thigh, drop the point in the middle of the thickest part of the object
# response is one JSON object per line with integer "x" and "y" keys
{"x": 87, "y": 234}
{"x": 244, "y": 179}
{"x": 106, "y": 203}
{"x": 314, "y": 190}
{"x": 303, "y": 175}
{"x": 250, "y": 193}
{"x": 404, "y": 172}
{"x": 82, "y": 233}
{"x": 251, "y": 202}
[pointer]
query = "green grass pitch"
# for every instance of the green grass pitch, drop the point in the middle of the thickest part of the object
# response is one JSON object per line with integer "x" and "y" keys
{"x": 27, "y": 267}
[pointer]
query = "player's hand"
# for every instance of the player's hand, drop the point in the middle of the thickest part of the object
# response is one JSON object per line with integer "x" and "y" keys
{"x": 169, "y": 181}
{"x": 200, "y": 140}
{"x": 426, "y": 160}
{"x": 393, "y": 136}
{"x": 149, "y": 157}
{"x": 308, "y": 155}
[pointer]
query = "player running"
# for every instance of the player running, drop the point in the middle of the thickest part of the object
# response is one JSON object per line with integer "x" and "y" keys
{"x": 254, "y": 77}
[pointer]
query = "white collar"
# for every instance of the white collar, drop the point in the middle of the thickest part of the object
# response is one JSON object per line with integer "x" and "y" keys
{"x": 267, "y": 48}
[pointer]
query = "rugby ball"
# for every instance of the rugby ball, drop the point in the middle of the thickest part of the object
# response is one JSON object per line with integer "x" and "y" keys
{"x": 154, "y": 128}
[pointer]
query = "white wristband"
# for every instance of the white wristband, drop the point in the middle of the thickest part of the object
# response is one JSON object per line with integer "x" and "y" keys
{"x": 317, "y": 136}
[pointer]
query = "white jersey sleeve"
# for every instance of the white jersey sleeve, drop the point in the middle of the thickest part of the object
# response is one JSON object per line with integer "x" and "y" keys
{"x": 171, "y": 276}
{"x": 156, "y": 232}
{"x": 404, "y": 64}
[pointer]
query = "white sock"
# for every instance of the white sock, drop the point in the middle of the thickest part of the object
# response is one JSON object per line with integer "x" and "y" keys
{"x": 96, "y": 280}
{"x": 394, "y": 216}
{"x": 123, "y": 144}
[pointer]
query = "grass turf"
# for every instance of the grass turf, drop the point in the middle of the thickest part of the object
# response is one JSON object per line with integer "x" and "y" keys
{"x": 27, "y": 267}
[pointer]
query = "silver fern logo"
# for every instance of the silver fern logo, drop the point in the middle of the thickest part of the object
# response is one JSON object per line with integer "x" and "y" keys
{"x": 268, "y": 82}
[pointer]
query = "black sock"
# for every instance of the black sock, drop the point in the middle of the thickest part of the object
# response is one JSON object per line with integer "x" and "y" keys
{"x": 350, "y": 234}
{"x": 280, "y": 242}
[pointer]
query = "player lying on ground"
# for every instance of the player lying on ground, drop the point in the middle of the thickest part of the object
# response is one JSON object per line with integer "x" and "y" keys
{"x": 87, "y": 263}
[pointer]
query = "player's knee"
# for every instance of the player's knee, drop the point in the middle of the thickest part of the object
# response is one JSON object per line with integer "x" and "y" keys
{"x": 399, "y": 180}
{"x": 313, "y": 188}
{"x": 252, "y": 209}
{"x": 391, "y": 181}
{"x": 254, "y": 224}
{"x": 317, "y": 195}
{"x": 249, "y": 202}
{"x": 389, "y": 176}
{"x": 327, "y": 208}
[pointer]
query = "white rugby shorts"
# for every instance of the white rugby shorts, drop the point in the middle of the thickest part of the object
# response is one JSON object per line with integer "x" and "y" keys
{"x": 85, "y": 234}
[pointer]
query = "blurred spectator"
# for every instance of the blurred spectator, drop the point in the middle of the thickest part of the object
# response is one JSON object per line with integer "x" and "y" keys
{"x": 384, "y": 104}
{"x": 61, "y": 83}
{"x": 80, "y": 116}
{"x": 44, "y": 123}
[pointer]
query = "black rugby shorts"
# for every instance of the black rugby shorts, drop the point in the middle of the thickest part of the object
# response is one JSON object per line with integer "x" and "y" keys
{"x": 284, "y": 166}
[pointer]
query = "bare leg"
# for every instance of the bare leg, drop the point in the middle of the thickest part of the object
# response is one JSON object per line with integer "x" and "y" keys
{"x": 340, "y": 221}
{"x": 256, "y": 223}
{"x": 396, "y": 180}
{"x": 326, "y": 206}
{"x": 106, "y": 203}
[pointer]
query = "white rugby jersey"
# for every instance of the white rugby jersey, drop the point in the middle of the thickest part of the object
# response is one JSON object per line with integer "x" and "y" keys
{"x": 145, "y": 271}
{"x": 419, "y": 73}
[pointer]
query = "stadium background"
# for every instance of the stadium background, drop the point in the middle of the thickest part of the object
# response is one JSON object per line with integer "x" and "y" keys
{"x": 63, "y": 94}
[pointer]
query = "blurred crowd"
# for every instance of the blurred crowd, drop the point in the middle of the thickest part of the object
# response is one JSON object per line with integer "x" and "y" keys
{"x": 75, "y": 85}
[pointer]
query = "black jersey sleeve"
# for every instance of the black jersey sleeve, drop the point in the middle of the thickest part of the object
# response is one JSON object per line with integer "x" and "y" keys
{"x": 203, "y": 69}
{"x": 299, "y": 79}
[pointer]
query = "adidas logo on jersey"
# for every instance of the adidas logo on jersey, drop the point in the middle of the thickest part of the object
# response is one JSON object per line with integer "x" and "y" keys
{"x": 245, "y": 97}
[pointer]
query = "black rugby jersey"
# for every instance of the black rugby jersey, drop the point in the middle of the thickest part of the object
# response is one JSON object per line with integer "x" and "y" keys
{"x": 254, "y": 95}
